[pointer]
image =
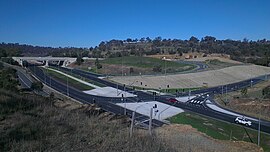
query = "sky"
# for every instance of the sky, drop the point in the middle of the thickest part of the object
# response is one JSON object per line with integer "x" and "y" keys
{"x": 85, "y": 23}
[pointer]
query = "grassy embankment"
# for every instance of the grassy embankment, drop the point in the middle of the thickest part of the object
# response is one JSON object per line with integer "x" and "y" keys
{"x": 65, "y": 79}
{"x": 147, "y": 62}
{"x": 143, "y": 65}
{"x": 216, "y": 64}
{"x": 250, "y": 103}
{"x": 80, "y": 77}
{"x": 180, "y": 90}
{"x": 221, "y": 130}
{"x": 34, "y": 123}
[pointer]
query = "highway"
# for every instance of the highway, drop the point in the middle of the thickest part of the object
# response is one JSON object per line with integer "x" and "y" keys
{"x": 108, "y": 103}
{"x": 24, "y": 80}
{"x": 200, "y": 66}
{"x": 265, "y": 125}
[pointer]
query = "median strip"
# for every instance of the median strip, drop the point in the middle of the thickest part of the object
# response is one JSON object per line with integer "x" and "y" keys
{"x": 74, "y": 78}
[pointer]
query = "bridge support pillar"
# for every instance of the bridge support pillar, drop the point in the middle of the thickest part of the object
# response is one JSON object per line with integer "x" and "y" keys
{"x": 46, "y": 63}
{"x": 65, "y": 63}
{"x": 21, "y": 62}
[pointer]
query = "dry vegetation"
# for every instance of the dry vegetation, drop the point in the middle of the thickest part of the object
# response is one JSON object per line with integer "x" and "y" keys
{"x": 186, "y": 138}
{"x": 196, "y": 80}
{"x": 251, "y": 103}
{"x": 33, "y": 123}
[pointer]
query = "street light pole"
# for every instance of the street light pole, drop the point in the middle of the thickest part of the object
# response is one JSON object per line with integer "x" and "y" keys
{"x": 132, "y": 124}
{"x": 67, "y": 88}
{"x": 222, "y": 90}
{"x": 259, "y": 131}
{"x": 189, "y": 92}
{"x": 165, "y": 67}
{"x": 50, "y": 81}
{"x": 150, "y": 121}
{"x": 123, "y": 100}
{"x": 259, "y": 127}
{"x": 226, "y": 94}
{"x": 122, "y": 64}
{"x": 45, "y": 76}
{"x": 164, "y": 58}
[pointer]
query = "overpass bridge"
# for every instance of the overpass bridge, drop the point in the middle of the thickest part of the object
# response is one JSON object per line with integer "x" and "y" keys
{"x": 63, "y": 61}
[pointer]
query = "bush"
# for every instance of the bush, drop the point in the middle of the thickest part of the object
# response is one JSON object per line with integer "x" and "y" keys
{"x": 131, "y": 70}
{"x": 38, "y": 126}
{"x": 266, "y": 92}
{"x": 37, "y": 86}
{"x": 8, "y": 79}
{"x": 157, "y": 68}
{"x": 10, "y": 61}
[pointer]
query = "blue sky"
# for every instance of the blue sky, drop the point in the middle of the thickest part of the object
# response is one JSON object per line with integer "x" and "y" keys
{"x": 84, "y": 23}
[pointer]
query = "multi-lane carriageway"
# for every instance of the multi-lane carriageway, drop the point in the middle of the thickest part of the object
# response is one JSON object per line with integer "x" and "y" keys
{"x": 108, "y": 103}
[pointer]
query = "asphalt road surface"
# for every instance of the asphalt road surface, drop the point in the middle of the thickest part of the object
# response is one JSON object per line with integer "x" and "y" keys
{"x": 108, "y": 104}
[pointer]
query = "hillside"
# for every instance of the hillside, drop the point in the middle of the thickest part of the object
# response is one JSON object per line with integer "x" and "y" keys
{"x": 32, "y": 123}
{"x": 200, "y": 79}
{"x": 245, "y": 51}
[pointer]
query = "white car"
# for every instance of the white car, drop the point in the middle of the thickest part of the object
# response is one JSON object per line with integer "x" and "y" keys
{"x": 242, "y": 120}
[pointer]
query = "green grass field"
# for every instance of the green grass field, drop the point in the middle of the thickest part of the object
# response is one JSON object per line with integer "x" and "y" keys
{"x": 180, "y": 90}
{"x": 216, "y": 64}
{"x": 221, "y": 130}
{"x": 143, "y": 62}
{"x": 71, "y": 82}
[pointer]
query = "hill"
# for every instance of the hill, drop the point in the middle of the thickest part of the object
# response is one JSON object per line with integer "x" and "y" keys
{"x": 33, "y": 123}
{"x": 245, "y": 51}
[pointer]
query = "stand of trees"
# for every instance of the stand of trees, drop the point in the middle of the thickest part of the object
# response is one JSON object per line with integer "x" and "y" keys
{"x": 246, "y": 50}
{"x": 8, "y": 78}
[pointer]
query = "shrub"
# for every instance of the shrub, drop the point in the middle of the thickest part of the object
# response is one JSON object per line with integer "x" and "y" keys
{"x": 157, "y": 68}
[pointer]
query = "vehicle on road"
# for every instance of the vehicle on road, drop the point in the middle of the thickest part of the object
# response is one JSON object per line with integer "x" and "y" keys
{"x": 172, "y": 100}
{"x": 242, "y": 120}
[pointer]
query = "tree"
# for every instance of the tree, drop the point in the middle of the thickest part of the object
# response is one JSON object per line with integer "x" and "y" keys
{"x": 3, "y": 53}
{"x": 131, "y": 70}
{"x": 209, "y": 39}
{"x": 157, "y": 41}
{"x": 157, "y": 68}
{"x": 142, "y": 40}
{"x": 194, "y": 40}
{"x": 129, "y": 40}
{"x": 9, "y": 60}
{"x": 1, "y": 66}
{"x": 37, "y": 86}
{"x": 244, "y": 91}
{"x": 51, "y": 98}
{"x": 148, "y": 39}
{"x": 79, "y": 60}
{"x": 102, "y": 46}
{"x": 98, "y": 65}
{"x": 8, "y": 79}
{"x": 266, "y": 92}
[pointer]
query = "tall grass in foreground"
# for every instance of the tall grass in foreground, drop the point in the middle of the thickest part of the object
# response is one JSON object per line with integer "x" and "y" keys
{"x": 30, "y": 123}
